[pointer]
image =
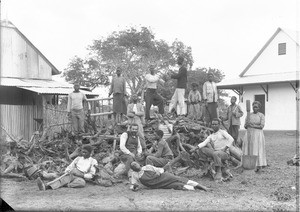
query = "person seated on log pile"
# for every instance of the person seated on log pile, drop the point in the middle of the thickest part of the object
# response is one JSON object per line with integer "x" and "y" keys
{"x": 136, "y": 114}
{"x": 177, "y": 148}
{"x": 156, "y": 178}
{"x": 130, "y": 146}
{"x": 216, "y": 146}
{"x": 83, "y": 167}
{"x": 163, "y": 154}
{"x": 163, "y": 125}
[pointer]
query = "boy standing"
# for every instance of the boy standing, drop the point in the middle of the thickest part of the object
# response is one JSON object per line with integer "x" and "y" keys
{"x": 194, "y": 101}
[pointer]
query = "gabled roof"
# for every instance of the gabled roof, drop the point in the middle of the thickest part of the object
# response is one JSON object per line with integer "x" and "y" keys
{"x": 290, "y": 33}
{"x": 42, "y": 86}
{"x": 8, "y": 24}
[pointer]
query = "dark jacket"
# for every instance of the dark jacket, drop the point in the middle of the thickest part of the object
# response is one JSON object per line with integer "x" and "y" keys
{"x": 181, "y": 77}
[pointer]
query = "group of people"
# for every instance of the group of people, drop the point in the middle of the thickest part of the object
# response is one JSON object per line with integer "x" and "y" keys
{"x": 148, "y": 166}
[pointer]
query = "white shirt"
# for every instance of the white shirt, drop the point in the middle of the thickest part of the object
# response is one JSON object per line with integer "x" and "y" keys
{"x": 135, "y": 176}
{"x": 134, "y": 109}
{"x": 210, "y": 91}
{"x": 75, "y": 101}
{"x": 219, "y": 140}
{"x": 123, "y": 139}
{"x": 152, "y": 80}
{"x": 85, "y": 165}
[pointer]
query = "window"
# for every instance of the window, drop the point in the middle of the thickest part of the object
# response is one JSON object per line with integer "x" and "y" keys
{"x": 281, "y": 48}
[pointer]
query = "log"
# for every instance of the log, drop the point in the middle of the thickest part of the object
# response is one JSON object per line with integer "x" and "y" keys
{"x": 13, "y": 175}
{"x": 32, "y": 145}
{"x": 102, "y": 136}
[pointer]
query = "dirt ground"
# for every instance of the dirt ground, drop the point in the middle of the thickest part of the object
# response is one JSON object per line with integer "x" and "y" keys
{"x": 272, "y": 190}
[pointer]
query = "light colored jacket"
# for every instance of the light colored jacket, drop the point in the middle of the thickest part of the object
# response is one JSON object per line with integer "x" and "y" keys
{"x": 210, "y": 88}
{"x": 234, "y": 113}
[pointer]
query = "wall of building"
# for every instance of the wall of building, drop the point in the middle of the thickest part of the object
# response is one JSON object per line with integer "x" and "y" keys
{"x": 280, "y": 109}
{"x": 17, "y": 114}
{"x": 270, "y": 62}
{"x": 20, "y": 59}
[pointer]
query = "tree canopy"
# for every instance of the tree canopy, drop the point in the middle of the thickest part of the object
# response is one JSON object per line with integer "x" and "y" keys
{"x": 132, "y": 49}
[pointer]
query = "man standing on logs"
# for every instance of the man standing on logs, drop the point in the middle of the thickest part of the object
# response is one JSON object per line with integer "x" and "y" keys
{"x": 152, "y": 97}
{"x": 178, "y": 96}
{"x": 118, "y": 89}
{"x": 75, "y": 110}
{"x": 210, "y": 96}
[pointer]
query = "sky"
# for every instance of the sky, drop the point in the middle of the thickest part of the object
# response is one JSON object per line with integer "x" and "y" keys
{"x": 223, "y": 34}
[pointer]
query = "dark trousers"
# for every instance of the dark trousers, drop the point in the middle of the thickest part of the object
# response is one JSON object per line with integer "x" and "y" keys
{"x": 153, "y": 98}
{"x": 212, "y": 111}
{"x": 234, "y": 131}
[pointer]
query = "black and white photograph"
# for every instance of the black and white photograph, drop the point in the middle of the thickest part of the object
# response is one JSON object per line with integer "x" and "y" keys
{"x": 149, "y": 105}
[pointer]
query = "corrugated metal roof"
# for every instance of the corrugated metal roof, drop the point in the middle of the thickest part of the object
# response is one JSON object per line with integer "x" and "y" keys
{"x": 60, "y": 91}
{"x": 259, "y": 79}
{"x": 42, "y": 86}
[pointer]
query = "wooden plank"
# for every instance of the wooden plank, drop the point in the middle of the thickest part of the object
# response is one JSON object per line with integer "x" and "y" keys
{"x": 99, "y": 99}
{"x": 102, "y": 114}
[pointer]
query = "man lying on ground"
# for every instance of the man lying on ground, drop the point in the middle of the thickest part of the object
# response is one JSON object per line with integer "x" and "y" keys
{"x": 83, "y": 167}
{"x": 157, "y": 178}
{"x": 163, "y": 154}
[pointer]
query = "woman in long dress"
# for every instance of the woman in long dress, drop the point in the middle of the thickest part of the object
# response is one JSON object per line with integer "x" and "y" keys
{"x": 254, "y": 125}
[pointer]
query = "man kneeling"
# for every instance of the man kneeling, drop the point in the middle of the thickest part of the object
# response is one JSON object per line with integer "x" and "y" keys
{"x": 157, "y": 178}
{"x": 82, "y": 167}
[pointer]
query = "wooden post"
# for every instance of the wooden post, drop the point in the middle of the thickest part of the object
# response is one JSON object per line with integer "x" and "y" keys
{"x": 44, "y": 112}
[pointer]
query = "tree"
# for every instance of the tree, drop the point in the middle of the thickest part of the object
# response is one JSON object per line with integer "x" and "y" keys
{"x": 85, "y": 72}
{"x": 132, "y": 49}
{"x": 199, "y": 76}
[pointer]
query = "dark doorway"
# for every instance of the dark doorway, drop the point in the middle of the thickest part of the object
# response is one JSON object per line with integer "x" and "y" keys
{"x": 261, "y": 99}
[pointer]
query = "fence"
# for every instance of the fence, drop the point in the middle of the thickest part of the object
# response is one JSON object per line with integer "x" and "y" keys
{"x": 101, "y": 110}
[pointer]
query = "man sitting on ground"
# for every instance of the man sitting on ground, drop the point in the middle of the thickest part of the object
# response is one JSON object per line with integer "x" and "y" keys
{"x": 83, "y": 167}
{"x": 163, "y": 154}
{"x": 216, "y": 146}
{"x": 130, "y": 146}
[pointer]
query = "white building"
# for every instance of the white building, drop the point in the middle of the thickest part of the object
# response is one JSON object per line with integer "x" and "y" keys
{"x": 272, "y": 78}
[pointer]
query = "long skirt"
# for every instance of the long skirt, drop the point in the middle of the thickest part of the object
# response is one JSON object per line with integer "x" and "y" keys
{"x": 257, "y": 145}
{"x": 163, "y": 181}
{"x": 119, "y": 104}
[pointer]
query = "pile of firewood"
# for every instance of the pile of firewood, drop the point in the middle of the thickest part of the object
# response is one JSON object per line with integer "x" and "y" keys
{"x": 53, "y": 154}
